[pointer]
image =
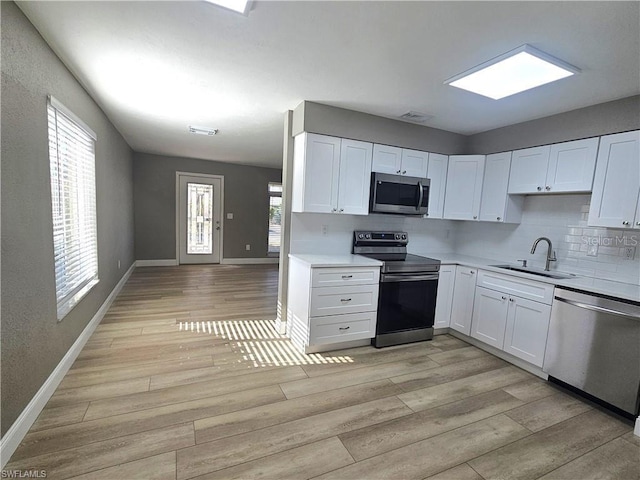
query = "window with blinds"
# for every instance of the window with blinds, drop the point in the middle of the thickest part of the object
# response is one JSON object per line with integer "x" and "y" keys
{"x": 73, "y": 201}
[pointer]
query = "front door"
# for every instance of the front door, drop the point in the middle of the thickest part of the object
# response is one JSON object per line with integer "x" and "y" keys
{"x": 199, "y": 218}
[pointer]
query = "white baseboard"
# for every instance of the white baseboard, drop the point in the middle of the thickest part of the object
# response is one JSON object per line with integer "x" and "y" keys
{"x": 249, "y": 261}
{"x": 636, "y": 430}
{"x": 11, "y": 440}
{"x": 169, "y": 262}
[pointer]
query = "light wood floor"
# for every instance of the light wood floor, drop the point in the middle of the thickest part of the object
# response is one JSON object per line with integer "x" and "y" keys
{"x": 186, "y": 378}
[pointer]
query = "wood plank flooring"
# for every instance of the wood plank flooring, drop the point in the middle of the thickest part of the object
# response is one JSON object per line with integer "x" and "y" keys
{"x": 186, "y": 378}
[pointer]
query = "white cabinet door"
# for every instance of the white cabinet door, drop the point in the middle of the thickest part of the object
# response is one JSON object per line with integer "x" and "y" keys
{"x": 526, "y": 329}
{"x": 616, "y": 182}
{"x": 437, "y": 173}
{"x": 637, "y": 220}
{"x": 387, "y": 159}
{"x": 571, "y": 166}
{"x": 489, "y": 316}
{"x": 529, "y": 170}
{"x": 463, "y": 294}
{"x": 444, "y": 297}
{"x": 496, "y": 205}
{"x": 316, "y": 172}
{"x": 464, "y": 187}
{"x": 355, "y": 177}
{"x": 414, "y": 163}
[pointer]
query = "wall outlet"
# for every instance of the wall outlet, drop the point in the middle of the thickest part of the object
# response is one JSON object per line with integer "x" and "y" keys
{"x": 247, "y": 247}
{"x": 629, "y": 253}
{"x": 118, "y": 264}
{"x": 592, "y": 251}
{"x": 325, "y": 229}
{"x": 229, "y": 216}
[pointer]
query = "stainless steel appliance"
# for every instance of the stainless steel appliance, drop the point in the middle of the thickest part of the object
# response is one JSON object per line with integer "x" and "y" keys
{"x": 399, "y": 194}
{"x": 408, "y": 287}
{"x": 594, "y": 346}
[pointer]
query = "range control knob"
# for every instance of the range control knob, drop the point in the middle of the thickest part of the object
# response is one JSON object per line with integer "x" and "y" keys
{"x": 404, "y": 236}
{"x": 367, "y": 236}
{"x": 361, "y": 236}
{"x": 397, "y": 236}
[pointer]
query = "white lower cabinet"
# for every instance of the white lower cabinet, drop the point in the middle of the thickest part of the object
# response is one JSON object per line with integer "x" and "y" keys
{"x": 331, "y": 305}
{"x": 463, "y": 294}
{"x": 444, "y": 298}
{"x": 509, "y": 322}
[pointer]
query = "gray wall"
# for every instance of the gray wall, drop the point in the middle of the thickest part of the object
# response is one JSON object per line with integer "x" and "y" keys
{"x": 611, "y": 117}
{"x": 245, "y": 192}
{"x": 328, "y": 120}
{"x": 32, "y": 340}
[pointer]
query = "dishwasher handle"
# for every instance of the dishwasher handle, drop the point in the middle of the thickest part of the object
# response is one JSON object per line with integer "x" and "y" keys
{"x": 597, "y": 308}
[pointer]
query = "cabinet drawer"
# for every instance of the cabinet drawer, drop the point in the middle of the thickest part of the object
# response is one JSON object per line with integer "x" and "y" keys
{"x": 333, "y": 277}
{"x": 512, "y": 285}
{"x": 344, "y": 299}
{"x": 342, "y": 328}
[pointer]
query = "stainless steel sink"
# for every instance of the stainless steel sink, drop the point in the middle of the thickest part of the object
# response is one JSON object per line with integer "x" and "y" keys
{"x": 535, "y": 271}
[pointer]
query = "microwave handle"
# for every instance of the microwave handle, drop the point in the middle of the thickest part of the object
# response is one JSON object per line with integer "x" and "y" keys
{"x": 420, "y": 196}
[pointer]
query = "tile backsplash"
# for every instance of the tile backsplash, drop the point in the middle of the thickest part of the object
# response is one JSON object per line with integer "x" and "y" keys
{"x": 583, "y": 250}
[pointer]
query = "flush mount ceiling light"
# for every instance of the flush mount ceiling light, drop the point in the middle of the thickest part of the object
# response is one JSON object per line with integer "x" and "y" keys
{"x": 240, "y": 6}
{"x": 203, "y": 130}
{"x": 518, "y": 70}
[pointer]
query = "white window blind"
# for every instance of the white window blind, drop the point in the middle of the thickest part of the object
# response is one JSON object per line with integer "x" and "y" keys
{"x": 73, "y": 200}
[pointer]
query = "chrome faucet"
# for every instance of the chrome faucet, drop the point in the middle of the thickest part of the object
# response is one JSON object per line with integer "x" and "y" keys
{"x": 551, "y": 255}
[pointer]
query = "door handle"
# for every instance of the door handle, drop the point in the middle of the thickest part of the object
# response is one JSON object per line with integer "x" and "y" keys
{"x": 420, "y": 195}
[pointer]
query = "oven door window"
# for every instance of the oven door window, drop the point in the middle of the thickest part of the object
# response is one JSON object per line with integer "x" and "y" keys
{"x": 406, "y": 305}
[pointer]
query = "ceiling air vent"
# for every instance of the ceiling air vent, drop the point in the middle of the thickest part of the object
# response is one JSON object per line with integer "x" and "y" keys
{"x": 416, "y": 117}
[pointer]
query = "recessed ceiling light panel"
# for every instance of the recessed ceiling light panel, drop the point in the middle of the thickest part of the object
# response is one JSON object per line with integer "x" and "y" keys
{"x": 240, "y": 6}
{"x": 513, "y": 72}
{"x": 203, "y": 130}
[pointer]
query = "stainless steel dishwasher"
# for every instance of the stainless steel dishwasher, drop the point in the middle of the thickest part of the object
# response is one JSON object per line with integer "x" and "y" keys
{"x": 594, "y": 346}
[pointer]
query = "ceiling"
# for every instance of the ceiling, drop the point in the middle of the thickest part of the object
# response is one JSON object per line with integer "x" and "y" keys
{"x": 157, "y": 67}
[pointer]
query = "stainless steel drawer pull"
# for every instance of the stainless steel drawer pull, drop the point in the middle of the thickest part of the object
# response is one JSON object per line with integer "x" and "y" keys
{"x": 595, "y": 308}
{"x": 504, "y": 298}
{"x": 347, "y": 276}
{"x": 345, "y": 299}
{"x": 344, "y": 328}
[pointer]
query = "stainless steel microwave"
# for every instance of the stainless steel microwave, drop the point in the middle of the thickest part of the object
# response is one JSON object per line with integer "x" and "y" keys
{"x": 399, "y": 194}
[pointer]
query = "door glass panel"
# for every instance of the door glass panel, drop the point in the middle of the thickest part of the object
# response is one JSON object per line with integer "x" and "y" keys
{"x": 199, "y": 218}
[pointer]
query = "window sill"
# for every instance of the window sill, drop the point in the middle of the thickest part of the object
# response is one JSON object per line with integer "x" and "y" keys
{"x": 68, "y": 305}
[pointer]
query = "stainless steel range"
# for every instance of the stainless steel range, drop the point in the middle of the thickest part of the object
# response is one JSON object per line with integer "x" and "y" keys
{"x": 408, "y": 287}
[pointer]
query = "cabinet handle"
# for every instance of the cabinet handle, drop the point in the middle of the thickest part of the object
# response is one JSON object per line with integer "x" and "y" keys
{"x": 625, "y": 223}
{"x": 344, "y": 328}
{"x": 345, "y": 299}
{"x": 397, "y": 171}
{"x": 404, "y": 171}
{"x": 539, "y": 189}
{"x": 504, "y": 298}
{"x": 347, "y": 276}
{"x": 638, "y": 223}
{"x": 499, "y": 218}
{"x": 511, "y": 300}
{"x": 547, "y": 188}
{"x": 475, "y": 217}
{"x": 333, "y": 209}
{"x": 472, "y": 272}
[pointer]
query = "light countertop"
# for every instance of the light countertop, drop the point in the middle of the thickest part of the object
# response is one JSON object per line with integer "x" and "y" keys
{"x": 625, "y": 291}
{"x": 347, "y": 260}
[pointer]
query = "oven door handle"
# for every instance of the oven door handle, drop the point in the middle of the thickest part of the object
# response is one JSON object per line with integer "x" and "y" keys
{"x": 388, "y": 278}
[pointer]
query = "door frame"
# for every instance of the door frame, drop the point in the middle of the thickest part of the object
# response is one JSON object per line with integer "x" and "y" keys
{"x": 177, "y": 204}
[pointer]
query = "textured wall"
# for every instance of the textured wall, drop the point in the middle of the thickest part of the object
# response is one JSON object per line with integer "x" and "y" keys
{"x": 245, "y": 195}
{"x": 32, "y": 340}
{"x": 339, "y": 122}
{"x": 602, "y": 119}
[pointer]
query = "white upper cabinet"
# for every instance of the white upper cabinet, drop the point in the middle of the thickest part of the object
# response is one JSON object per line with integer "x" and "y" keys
{"x": 496, "y": 205}
{"x": 464, "y": 187}
{"x": 529, "y": 170}
{"x": 414, "y": 163}
{"x": 437, "y": 173}
{"x": 571, "y": 166}
{"x": 559, "y": 168}
{"x": 354, "y": 178}
{"x": 399, "y": 161}
{"x": 331, "y": 175}
{"x": 614, "y": 202}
